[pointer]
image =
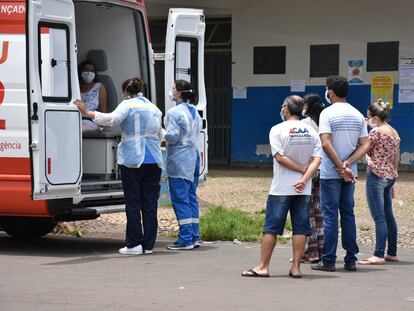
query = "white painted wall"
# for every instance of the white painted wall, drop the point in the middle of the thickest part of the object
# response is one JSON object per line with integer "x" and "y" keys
{"x": 300, "y": 23}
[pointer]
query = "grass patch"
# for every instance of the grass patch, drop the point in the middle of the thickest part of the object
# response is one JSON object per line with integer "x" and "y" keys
{"x": 171, "y": 234}
{"x": 224, "y": 224}
{"x": 76, "y": 231}
{"x": 220, "y": 223}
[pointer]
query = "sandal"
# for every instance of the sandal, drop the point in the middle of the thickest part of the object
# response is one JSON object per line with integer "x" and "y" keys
{"x": 391, "y": 258}
{"x": 372, "y": 261}
{"x": 253, "y": 274}
{"x": 295, "y": 276}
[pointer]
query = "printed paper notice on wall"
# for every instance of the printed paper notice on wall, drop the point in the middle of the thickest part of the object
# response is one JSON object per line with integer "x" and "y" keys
{"x": 239, "y": 92}
{"x": 355, "y": 71}
{"x": 406, "y": 90}
{"x": 382, "y": 87}
{"x": 297, "y": 86}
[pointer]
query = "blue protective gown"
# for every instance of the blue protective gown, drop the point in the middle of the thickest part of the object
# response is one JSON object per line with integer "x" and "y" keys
{"x": 140, "y": 122}
{"x": 182, "y": 131}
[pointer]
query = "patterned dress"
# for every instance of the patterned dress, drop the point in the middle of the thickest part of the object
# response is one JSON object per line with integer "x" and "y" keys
{"x": 380, "y": 158}
{"x": 313, "y": 250}
{"x": 91, "y": 100}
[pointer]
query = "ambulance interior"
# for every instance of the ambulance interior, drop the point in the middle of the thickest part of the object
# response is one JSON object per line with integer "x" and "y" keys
{"x": 114, "y": 39}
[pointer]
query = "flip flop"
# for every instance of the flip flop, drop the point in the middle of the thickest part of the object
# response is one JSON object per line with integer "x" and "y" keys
{"x": 295, "y": 276}
{"x": 254, "y": 274}
{"x": 391, "y": 259}
{"x": 370, "y": 262}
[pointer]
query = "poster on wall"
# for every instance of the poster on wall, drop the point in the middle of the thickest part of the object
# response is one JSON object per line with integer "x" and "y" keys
{"x": 355, "y": 71}
{"x": 382, "y": 87}
{"x": 297, "y": 86}
{"x": 406, "y": 91}
{"x": 239, "y": 92}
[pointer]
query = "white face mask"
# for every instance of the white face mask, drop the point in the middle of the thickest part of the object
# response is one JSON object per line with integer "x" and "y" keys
{"x": 88, "y": 76}
{"x": 371, "y": 124}
{"x": 304, "y": 113}
{"x": 171, "y": 95}
{"x": 282, "y": 114}
{"x": 328, "y": 100}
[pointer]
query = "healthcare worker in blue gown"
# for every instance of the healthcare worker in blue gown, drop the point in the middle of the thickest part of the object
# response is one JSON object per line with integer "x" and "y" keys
{"x": 182, "y": 128}
{"x": 140, "y": 161}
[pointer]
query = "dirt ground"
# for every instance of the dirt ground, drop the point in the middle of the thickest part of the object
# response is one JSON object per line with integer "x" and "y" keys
{"x": 247, "y": 189}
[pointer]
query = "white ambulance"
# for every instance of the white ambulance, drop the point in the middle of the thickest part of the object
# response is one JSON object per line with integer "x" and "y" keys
{"x": 49, "y": 170}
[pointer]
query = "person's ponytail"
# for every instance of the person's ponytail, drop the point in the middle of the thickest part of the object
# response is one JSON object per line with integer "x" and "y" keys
{"x": 187, "y": 92}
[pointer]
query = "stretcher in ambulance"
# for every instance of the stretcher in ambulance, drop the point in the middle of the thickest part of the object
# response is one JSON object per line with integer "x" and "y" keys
{"x": 49, "y": 170}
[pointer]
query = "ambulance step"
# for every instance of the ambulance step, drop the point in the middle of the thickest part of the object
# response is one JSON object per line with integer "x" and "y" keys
{"x": 107, "y": 209}
{"x": 98, "y": 195}
{"x": 101, "y": 183}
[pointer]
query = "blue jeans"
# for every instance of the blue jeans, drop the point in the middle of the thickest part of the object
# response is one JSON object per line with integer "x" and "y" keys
{"x": 276, "y": 213}
{"x": 142, "y": 190}
{"x": 379, "y": 199}
{"x": 338, "y": 196}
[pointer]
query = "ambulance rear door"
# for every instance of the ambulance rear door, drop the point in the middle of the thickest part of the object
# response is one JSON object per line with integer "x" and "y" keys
{"x": 54, "y": 122}
{"x": 184, "y": 60}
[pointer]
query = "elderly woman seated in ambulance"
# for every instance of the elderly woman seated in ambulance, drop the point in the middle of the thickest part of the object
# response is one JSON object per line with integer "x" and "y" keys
{"x": 93, "y": 93}
{"x": 140, "y": 161}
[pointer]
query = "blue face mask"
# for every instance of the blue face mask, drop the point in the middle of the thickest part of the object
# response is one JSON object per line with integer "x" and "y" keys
{"x": 282, "y": 115}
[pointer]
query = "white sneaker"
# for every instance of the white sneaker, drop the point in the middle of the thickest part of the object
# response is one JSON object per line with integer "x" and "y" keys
{"x": 197, "y": 244}
{"x": 137, "y": 250}
{"x": 148, "y": 251}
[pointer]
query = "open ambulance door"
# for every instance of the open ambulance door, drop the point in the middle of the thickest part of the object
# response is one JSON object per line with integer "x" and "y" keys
{"x": 184, "y": 59}
{"x": 54, "y": 122}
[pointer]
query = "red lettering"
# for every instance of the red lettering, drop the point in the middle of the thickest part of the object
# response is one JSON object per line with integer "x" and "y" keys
{"x": 5, "y": 52}
{"x": 1, "y": 92}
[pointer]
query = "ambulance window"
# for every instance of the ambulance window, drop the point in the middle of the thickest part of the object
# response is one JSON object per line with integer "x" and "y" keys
{"x": 54, "y": 62}
{"x": 186, "y": 60}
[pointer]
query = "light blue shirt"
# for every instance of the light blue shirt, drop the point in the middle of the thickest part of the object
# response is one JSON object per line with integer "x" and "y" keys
{"x": 346, "y": 125}
{"x": 183, "y": 126}
{"x": 140, "y": 122}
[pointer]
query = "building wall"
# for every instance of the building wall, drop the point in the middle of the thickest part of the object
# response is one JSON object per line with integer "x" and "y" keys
{"x": 297, "y": 24}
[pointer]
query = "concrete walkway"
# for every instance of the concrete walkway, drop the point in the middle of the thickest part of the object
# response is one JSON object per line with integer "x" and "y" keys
{"x": 65, "y": 273}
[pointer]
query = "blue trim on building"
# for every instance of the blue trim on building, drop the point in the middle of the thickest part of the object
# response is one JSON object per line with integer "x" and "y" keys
{"x": 252, "y": 119}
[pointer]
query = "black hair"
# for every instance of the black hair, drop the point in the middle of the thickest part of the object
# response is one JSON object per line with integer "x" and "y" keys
{"x": 187, "y": 92}
{"x": 315, "y": 106}
{"x": 82, "y": 65}
{"x": 380, "y": 109}
{"x": 339, "y": 85}
{"x": 133, "y": 86}
{"x": 294, "y": 104}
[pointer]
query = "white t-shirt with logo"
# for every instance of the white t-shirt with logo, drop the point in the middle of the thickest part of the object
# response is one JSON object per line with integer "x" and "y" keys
{"x": 346, "y": 124}
{"x": 299, "y": 142}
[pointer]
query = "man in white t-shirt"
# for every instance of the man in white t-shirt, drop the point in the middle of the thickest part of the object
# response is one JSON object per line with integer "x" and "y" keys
{"x": 296, "y": 151}
{"x": 344, "y": 139}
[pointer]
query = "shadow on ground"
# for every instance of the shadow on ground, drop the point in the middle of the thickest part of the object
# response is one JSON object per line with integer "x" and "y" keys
{"x": 90, "y": 249}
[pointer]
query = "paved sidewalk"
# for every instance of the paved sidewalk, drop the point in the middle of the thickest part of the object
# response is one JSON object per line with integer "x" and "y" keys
{"x": 65, "y": 273}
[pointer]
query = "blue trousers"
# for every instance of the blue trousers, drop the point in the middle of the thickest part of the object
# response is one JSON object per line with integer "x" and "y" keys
{"x": 142, "y": 189}
{"x": 185, "y": 203}
{"x": 338, "y": 196}
{"x": 380, "y": 204}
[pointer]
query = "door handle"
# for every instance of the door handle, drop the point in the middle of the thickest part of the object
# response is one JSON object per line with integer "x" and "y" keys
{"x": 35, "y": 116}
